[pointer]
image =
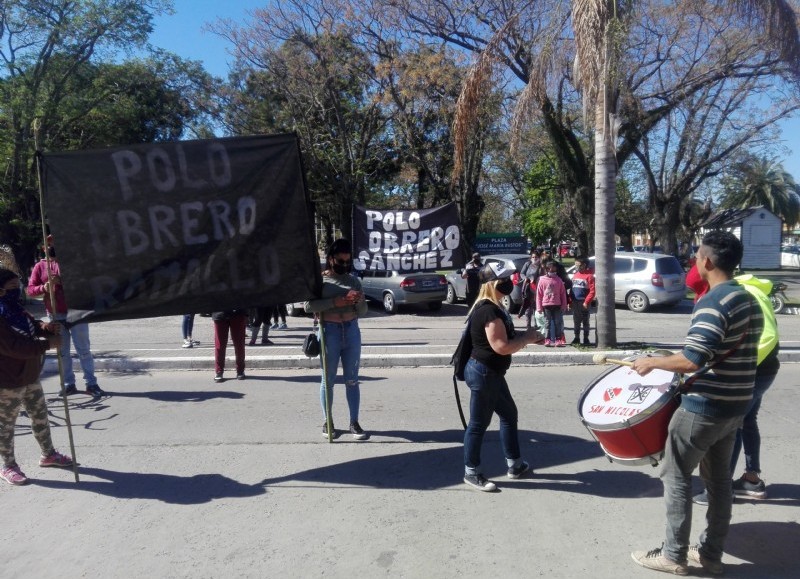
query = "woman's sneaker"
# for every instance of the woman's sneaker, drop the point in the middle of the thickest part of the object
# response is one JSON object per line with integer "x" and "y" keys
{"x": 477, "y": 481}
{"x": 356, "y": 430}
{"x": 13, "y": 475}
{"x": 745, "y": 488}
{"x": 519, "y": 470}
{"x": 95, "y": 391}
{"x": 55, "y": 459}
{"x": 187, "y": 344}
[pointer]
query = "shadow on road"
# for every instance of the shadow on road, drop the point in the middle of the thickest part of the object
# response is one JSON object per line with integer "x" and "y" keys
{"x": 768, "y": 548}
{"x": 179, "y": 490}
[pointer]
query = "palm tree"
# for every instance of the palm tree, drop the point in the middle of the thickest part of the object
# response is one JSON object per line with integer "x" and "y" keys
{"x": 760, "y": 181}
{"x": 599, "y": 26}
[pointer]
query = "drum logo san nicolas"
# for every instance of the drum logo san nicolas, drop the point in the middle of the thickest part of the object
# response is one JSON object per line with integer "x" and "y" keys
{"x": 634, "y": 404}
{"x": 625, "y": 401}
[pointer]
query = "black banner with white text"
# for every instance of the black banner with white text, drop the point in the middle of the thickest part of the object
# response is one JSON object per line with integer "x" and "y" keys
{"x": 182, "y": 227}
{"x": 407, "y": 240}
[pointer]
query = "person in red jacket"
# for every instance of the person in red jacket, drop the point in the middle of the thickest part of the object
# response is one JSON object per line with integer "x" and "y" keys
{"x": 23, "y": 342}
{"x": 582, "y": 298}
{"x": 696, "y": 283}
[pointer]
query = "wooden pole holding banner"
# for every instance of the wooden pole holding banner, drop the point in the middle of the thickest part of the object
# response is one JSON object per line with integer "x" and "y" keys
{"x": 323, "y": 355}
{"x": 52, "y": 295}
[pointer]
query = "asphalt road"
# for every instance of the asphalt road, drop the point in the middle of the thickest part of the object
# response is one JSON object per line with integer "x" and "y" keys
{"x": 184, "y": 478}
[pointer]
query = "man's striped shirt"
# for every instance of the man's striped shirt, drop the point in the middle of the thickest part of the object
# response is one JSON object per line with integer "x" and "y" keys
{"x": 725, "y": 318}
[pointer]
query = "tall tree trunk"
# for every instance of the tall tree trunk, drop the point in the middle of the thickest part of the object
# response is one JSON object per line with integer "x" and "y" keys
{"x": 605, "y": 167}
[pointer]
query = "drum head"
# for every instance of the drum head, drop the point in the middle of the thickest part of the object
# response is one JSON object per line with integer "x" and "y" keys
{"x": 621, "y": 394}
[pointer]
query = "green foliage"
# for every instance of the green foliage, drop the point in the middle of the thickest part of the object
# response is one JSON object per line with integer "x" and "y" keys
{"x": 755, "y": 181}
{"x": 543, "y": 217}
{"x": 319, "y": 87}
{"x": 59, "y": 90}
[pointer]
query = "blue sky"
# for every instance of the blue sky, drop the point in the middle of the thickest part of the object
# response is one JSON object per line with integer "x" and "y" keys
{"x": 182, "y": 34}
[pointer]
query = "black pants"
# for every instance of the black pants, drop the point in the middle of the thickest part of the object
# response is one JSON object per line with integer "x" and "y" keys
{"x": 580, "y": 316}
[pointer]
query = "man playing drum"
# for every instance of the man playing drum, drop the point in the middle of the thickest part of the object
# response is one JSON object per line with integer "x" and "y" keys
{"x": 721, "y": 347}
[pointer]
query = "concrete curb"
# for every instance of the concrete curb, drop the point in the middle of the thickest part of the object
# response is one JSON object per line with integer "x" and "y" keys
{"x": 206, "y": 363}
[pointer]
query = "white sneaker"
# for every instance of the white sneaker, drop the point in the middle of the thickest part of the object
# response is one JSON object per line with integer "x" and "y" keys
{"x": 187, "y": 344}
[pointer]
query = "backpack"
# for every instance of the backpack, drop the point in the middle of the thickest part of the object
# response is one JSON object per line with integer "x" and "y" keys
{"x": 462, "y": 354}
{"x": 459, "y": 362}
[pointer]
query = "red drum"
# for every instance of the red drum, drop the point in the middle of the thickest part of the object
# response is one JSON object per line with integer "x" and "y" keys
{"x": 629, "y": 414}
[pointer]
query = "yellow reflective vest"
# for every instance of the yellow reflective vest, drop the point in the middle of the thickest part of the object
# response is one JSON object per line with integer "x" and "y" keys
{"x": 759, "y": 288}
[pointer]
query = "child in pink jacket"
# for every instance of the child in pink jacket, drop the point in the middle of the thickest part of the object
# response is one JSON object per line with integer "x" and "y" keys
{"x": 551, "y": 298}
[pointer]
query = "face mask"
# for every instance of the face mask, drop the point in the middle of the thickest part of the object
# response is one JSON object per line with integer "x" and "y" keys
{"x": 552, "y": 274}
{"x": 51, "y": 251}
{"x": 505, "y": 287}
{"x": 340, "y": 269}
{"x": 12, "y": 295}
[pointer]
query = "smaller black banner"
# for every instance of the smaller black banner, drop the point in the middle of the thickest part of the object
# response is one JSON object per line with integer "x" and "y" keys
{"x": 407, "y": 240}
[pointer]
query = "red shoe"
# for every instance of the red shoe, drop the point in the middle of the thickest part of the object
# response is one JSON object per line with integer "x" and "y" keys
{"x": 55, "y": 459}
{"x": 13, "y": 475}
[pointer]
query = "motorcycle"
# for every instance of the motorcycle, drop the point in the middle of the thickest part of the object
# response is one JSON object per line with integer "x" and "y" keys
{"x": 778, "y": 296}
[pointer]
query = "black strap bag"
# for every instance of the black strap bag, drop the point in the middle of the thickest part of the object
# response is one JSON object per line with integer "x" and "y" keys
{"x": 311, "y": 346}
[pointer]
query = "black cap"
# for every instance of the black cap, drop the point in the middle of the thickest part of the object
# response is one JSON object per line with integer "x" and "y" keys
{"x": 493, "y": 271}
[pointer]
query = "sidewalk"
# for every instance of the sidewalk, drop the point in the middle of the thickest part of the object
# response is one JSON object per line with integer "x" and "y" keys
{"x": 388, "y": 342}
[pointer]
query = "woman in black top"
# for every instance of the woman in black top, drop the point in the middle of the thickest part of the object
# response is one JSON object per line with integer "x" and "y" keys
{"x": 493, "y": 341}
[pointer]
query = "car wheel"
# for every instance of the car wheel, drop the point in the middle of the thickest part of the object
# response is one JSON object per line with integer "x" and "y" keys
{"x": 507, "y": 303}
{"x": 389, "y": 305}
{"x": 637, "y": 302}
{"x": 434, "y": 306}
{"x": 451, "y": 294}
{"x": 777, "y": 303}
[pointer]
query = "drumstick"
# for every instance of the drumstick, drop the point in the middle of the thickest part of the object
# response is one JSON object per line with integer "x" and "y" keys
{"x": 602, "y": 359}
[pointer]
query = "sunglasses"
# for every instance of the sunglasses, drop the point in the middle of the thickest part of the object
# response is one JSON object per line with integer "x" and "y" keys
{"x": 342, "y": 261}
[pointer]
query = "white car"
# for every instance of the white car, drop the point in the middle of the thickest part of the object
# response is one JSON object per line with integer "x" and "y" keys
{"x": 457, "y": 287}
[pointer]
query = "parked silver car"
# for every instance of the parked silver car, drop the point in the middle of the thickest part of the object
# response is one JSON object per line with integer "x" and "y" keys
{"x": 645, "y": 279}
{"x": 395, "y": 288}
{"x": 457, "y": 287}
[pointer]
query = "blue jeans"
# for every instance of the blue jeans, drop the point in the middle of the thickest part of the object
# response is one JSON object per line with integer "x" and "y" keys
{"x": 489, "y": 393}
{"x": 342, "y": 342}
{"x": 749, "y": 435}
{"x": 692, "y": 440}
{"x": 187, "y": 326}
{"x": 79, "y": 336}
{"x": 555, "y": 323}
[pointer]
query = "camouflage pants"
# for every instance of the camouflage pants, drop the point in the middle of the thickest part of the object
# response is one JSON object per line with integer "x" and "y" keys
{"x": 11, "y": 400}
